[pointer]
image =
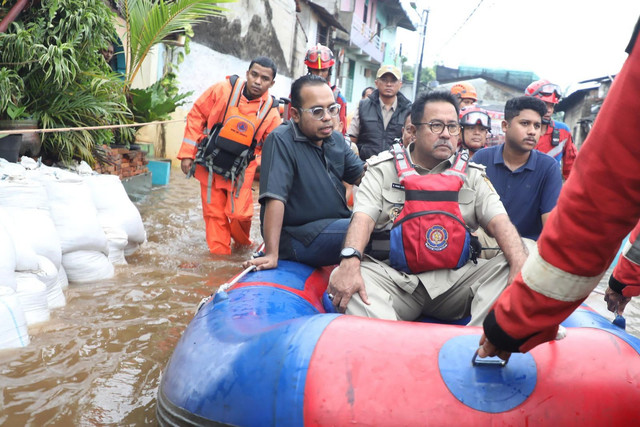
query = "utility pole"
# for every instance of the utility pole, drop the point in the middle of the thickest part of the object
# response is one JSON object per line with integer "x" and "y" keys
{"x": 424, "y": 17}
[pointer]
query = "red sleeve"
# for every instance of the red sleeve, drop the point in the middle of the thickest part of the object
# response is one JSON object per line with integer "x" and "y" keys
{"x": 626, "y": 275}
{"x": 569, "y": 156}
{"x": 598, "y": 207}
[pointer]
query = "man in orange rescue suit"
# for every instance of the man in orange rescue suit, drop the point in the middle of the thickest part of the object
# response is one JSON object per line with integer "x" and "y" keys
{"x": 581, "y": 237}
{"x": 556, "y": 138}
{"x": 228, "y": 210}
{"x": 428, "y": 197}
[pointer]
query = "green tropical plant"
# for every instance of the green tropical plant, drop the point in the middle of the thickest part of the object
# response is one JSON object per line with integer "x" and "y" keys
{"x": 155, "y": 102}
{"x": 54, "y": 50}
{"x": 51, "y": 67}
{"x": 149, "y": 22}
{"x": 11, "y": 91}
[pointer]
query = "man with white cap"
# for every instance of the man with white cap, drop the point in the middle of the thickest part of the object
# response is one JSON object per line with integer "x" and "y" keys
{"x": 380, "y": 116}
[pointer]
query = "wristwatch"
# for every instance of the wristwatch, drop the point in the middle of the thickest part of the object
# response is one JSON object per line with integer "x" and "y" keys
{"x": 350, "y": 252}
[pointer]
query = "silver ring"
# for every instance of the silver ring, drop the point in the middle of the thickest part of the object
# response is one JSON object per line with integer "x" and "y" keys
{"x": 330, "y": 296}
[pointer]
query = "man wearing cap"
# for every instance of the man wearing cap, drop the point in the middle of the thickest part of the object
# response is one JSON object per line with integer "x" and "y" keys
{"x": 380, "y": 116}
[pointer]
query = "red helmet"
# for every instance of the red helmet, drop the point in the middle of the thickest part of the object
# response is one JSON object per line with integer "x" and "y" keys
{"x": 544, "y": 90}
{"x": 319, "y": 57}
{"x": 464, "y": 90}
{"x": 471, "y": 116}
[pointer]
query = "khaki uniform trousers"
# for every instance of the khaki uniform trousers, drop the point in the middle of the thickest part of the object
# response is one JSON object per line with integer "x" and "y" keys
{"x": 474, "y": 289}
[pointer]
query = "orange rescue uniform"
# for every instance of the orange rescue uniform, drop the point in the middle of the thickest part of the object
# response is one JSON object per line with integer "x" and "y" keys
{"x": 221, "y": 221}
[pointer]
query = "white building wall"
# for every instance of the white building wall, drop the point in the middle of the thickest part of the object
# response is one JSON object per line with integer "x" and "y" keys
{"x": 203, "y": 67}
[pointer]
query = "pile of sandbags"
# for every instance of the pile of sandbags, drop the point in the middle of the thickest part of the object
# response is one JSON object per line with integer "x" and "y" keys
{"x": 57, "y": 227}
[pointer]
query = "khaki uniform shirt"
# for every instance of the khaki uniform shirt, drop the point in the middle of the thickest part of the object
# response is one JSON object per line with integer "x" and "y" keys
{"x": 382, "y": 201}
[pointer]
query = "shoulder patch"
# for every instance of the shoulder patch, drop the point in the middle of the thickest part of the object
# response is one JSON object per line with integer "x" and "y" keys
{"x": 477, "y": 166}
{"x": 379, "y": 158}
{"x": 488, "y": 181}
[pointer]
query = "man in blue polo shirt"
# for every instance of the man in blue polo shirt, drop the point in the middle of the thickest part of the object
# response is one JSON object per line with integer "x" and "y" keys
{"x": 303, "y": 209}
{"x": 527, "y": 180}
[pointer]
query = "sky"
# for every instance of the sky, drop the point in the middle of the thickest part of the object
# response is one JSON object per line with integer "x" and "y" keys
{"x": 564, "y": 41}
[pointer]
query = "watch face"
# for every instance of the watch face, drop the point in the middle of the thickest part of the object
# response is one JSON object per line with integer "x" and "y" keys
{"x": 348, "y": 252}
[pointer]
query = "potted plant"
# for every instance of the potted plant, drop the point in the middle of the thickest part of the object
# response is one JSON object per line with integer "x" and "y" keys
{"x": 51, "y": 58}
{"x": 11, "y": 90}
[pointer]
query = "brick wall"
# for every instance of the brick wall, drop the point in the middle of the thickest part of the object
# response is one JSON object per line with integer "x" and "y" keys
{"x": 123, "y": 162}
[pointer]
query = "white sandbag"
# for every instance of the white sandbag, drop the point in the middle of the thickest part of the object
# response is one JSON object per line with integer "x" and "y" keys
{"x": 117, "y": 241}
{"x": 29, "y": 164}
{"x": 74, "y": 214}
{"x": 87, "y": 266}
{"x": 131, "y": 248}
{"x": 7, "y": 259}
{"x": 19, "y": 192}
{"x": 37, "y": 230}
{"x": 32, "y": 294}
{"x": 63, "y": 280}
{"x": 47, "y": 273}
{"x": 26, "y": 258}
{"x": 13, "y": 324}
{"x": 27, "y": 203}
{"x": 115, "y": 209}
{"x": 10, "y": 170}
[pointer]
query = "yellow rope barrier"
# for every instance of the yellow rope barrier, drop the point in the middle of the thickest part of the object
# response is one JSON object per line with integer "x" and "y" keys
{"x": 19, "y": 131}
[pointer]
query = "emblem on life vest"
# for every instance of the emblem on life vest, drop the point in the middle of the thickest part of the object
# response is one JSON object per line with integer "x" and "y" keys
{"x": 242, "y": 127}
{"x": 394, "y": 212}
{"x": 437, "y": 238}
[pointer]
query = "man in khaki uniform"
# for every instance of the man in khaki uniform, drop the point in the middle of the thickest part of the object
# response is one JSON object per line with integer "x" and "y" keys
{"x": 368, "y": 287}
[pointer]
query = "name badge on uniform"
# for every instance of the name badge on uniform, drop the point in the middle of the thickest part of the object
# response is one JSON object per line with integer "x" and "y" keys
{"x": 397, "y": 186}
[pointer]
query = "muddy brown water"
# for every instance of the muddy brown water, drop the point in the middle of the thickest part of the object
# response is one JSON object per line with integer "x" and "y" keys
{"x": 99, "y": 360}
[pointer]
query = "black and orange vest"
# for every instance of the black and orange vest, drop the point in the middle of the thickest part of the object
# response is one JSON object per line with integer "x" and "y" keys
{"x": 230, "y": 146}
{"x": 430, "y": 232}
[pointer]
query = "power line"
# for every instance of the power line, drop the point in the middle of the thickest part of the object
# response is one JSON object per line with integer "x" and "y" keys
{"x": 460, "y": 27}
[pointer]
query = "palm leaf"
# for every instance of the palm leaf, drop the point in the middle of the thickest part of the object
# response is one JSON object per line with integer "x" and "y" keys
{"x": 151, "y": 21}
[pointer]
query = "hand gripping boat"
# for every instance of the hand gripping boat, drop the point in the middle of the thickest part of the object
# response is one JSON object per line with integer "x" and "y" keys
{"x": 266, "y": 353}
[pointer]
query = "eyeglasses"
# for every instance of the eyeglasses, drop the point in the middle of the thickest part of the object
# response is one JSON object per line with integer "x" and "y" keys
{"x": 319, "y": 112}
{"x": 548, "y": 89}
{"x": 438, "y": 127}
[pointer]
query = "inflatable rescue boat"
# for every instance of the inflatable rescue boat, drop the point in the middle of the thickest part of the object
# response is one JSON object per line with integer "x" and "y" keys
{"x": 266, "y": 351}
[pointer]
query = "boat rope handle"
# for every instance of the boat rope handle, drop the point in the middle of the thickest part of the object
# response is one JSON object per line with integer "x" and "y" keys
{"x": 225, "y": 286}
{"x": 487, "y": 362}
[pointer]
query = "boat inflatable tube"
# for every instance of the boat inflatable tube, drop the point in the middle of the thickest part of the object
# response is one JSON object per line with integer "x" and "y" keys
{"x": 266, "y": 352}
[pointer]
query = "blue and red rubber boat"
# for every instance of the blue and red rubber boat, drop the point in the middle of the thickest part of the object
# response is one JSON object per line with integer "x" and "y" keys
{"x": 267, "y": 352}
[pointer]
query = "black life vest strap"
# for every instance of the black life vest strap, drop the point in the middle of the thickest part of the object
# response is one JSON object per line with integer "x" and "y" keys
{"x": 431, "y": 196}
{"x": 555, "y": 137}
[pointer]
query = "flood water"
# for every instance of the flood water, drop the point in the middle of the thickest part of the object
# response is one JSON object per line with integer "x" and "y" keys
{"x": 99, "y": 360}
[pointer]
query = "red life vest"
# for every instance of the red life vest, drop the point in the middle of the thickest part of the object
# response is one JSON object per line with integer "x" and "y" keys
{"x": 430, "y": 233}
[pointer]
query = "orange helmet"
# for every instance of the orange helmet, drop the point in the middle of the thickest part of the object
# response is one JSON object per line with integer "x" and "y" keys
{"x": 319, "y": 57}
{"x": 544, "y": 90}
{"x": 464, "y": 90}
